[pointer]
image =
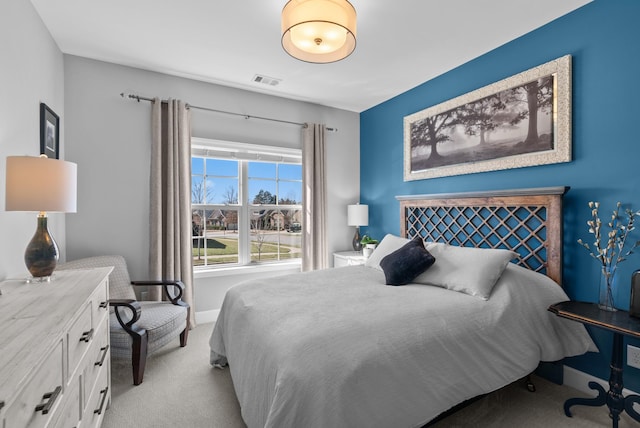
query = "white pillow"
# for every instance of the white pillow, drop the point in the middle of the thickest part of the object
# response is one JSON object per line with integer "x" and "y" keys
{"x": 468, "y": 270}
{"x": 388, "y": 245}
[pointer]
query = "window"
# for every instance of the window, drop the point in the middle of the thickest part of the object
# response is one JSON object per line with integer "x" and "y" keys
{"x": 246, "y": 204}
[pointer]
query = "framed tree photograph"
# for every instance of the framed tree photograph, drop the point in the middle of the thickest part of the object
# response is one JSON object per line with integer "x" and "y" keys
{"x": 523, "y": 120}
{"x": 49, "y": 132}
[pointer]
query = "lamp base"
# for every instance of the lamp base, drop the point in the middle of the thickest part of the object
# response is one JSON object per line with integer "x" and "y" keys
{"x": 36, "y": 279}
{"x": 41, "y": 255}
{"x": 357, "y": 245}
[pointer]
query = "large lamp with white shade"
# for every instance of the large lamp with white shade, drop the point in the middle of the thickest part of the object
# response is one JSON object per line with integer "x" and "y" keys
{"x": 43, "y": 185}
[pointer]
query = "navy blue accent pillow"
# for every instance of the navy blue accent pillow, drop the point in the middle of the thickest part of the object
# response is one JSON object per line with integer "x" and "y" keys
{"x": 403, "y": 265}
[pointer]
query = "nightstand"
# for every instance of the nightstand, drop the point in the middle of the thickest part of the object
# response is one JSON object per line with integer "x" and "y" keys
{"x": 620, "y": 323}
{"x": 348, "y": 258}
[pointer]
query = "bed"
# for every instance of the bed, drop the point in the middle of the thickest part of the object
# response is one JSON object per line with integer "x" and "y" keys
{"x": 340, "y": 348}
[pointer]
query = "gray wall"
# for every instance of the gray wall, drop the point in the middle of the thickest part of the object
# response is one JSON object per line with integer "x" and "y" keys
{"x": 109, "y": 138}
{"x": 31, "y": 72}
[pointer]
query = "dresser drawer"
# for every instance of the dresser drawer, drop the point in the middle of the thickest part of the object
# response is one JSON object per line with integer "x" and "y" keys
{"x": 70, "y": 413}
{"x": 41, "y": 396}
{"x": 98, "y": 356}
{"x": 348, "y": 258}
{"x": 98, "y": 400}
{"x": 99, "y": 304}
{"x": 80, "y": 337}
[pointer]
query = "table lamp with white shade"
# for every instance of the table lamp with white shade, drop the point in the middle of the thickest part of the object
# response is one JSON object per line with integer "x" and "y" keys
{"x": 357, "y": 215}
{"x": 41, "y": 184}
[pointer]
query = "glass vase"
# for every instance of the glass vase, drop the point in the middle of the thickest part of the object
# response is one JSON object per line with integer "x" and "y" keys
{"x": 607, "y": 290}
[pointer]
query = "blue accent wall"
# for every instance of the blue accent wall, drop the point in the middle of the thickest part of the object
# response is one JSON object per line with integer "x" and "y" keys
{"x": 603, "y": 38}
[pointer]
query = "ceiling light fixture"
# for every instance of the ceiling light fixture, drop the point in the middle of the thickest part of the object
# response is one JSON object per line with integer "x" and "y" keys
{"x": 319, "y": 31}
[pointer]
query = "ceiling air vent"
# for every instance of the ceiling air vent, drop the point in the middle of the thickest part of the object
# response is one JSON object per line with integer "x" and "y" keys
{"x": 271, "y": 81}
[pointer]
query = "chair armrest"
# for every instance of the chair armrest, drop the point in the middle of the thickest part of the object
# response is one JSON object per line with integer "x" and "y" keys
{"x": 177, "y": 285}
{"x": 136, "y": 310}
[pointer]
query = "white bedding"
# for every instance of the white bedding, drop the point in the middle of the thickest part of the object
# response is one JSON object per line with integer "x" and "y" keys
{"x": 338, "y": 348}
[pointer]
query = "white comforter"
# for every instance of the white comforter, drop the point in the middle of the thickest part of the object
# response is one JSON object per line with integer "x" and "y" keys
{"x": 338, "y": 348}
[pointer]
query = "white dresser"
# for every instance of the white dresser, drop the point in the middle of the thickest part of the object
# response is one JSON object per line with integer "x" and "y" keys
{"x": 348, "y": 258}
{"x": 54, "y": 365}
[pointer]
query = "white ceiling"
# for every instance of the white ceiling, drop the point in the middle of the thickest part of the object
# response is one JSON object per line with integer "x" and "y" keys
{"x": 400, "y": 43}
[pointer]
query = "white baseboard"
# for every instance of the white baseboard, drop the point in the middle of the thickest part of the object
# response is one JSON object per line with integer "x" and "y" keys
{"x": 580, "y": 380}
{"x": 205, "y": 317}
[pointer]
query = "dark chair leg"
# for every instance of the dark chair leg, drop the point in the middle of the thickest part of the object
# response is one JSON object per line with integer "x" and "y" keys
{"x": 185, "y": 333}
{"x": 183, "y": 337}
{"x": 139, "y": 356}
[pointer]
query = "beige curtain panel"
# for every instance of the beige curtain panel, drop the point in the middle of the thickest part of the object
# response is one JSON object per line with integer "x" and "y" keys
{"x": 314, "y": 242}
{"x": 170, "y": 211}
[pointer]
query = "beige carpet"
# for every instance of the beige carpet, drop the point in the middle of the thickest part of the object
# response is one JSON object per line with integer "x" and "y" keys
{"x": 181, "y": 389}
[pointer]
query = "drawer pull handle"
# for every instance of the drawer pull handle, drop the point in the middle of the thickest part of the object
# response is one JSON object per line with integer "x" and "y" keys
{"x": 105, "y": 351}
{"x": 51, "y": 398}
{"x": 103, "y": 305}
{"x": 86, "y": 336}
{"x": 100, "y": 409}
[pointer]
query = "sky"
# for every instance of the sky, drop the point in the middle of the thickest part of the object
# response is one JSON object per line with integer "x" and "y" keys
{"x": 283, "y": 180}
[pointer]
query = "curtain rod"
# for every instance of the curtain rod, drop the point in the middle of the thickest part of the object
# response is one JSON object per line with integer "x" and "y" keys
{"x": 246, "y": 116}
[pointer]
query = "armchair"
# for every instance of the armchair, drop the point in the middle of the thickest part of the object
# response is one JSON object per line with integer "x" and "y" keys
{"x": 139, "y": 328}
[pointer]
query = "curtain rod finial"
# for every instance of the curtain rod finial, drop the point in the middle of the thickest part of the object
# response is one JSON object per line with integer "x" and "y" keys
{"x": 130, "y": 96}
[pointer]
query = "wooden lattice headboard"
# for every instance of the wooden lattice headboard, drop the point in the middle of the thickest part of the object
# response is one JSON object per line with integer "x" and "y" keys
{"x": 527, "y": 221}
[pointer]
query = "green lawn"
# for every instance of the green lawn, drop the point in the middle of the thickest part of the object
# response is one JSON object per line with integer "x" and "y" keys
{"x": 223, "y": 250}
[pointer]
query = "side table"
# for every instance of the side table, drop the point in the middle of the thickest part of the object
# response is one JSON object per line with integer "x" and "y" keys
{"x": 348, "y": 258}
{"x": 620, "y": 323}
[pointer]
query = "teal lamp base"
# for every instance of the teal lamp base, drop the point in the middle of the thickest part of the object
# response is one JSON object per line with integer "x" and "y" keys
{"x": 41, "y": 255}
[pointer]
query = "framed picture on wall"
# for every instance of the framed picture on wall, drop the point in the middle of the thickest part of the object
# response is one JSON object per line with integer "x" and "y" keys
{"x": 523, "y": 120}
{"x": 49, "y": 132}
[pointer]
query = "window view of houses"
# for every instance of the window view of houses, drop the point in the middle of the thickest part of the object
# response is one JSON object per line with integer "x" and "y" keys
{"x": 245, "y": 211}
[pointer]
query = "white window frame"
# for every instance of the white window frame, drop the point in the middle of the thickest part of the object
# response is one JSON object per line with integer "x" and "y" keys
{"x": 244, "y": 153}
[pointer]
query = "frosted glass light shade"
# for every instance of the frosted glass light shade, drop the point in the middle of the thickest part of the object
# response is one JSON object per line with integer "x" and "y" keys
{"x": 40, "y": 184}
{"x": 319, "y": 31}
{"x": 358, "y": 215}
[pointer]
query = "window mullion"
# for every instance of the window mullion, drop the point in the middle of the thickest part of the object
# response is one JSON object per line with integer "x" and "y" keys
{"x": 244, "y": 251}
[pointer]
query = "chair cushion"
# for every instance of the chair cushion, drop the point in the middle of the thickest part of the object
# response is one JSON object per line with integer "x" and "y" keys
{"x": 163, "y": 321}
